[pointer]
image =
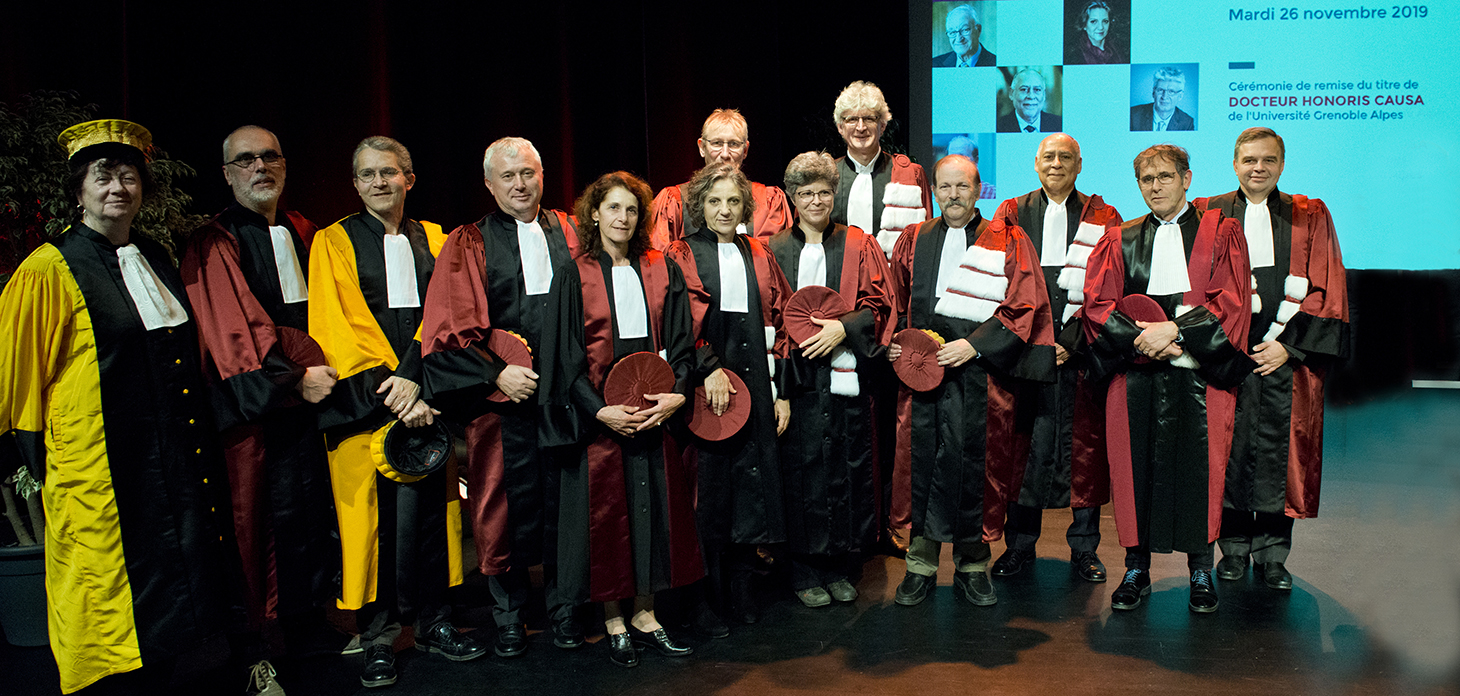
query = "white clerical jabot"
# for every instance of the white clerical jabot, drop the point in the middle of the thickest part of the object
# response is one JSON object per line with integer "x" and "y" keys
{"x": 156, "y": 305}
{"x": 859, "y": 200}
{"x": 1257, "y": 227}
{"x": 811, "y": 270}
{"x": 537, "y": 269}
{"x": 286, "y": 259}
{"x": 1056, "y": 228}
{"x": 628, "y": 303}
{"x": 954, "y": 246}
{"x": 1168, "y": 259}
{"x": 734, "y": 295}
{"x": 400, "y": 273}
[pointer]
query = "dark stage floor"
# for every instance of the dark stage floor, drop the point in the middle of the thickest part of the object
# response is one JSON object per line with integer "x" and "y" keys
{"x": 1375, "y": 610}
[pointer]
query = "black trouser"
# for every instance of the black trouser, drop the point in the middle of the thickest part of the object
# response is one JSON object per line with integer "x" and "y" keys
{"x": 1139, "y": 558}
{"x": 810, "y": 570}
{"x": 380, "y": 622}
{"x": 1266, "y": 536}
{"x": 512, "y": 589}
{"x": 1025, "y": 523}
{"x": 153, "y": 678}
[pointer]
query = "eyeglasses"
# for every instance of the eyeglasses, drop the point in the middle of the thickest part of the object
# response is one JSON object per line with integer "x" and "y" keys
{"x": 366, "y": 176}
{"x": 1161, "y": 92}
{"x": 246, "y": 160}
{"x": 1164, "y": 177}
{"x": 805, "y": 196}
{"x": 724, "y": 144}
{"x": 859, "y": 120}
{"x": 960, "y": 33}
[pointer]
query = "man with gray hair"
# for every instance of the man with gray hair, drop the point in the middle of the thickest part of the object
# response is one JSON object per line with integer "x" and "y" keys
{"x": 493, "y": 277}
{"x": 879, "y": 192}
{"x": 244, "y": 273}
{"x": 1028, "y": 95}
{"x": 1163, "y": 112}
{"x": 964, "y": 33}
{"x": 725, "y": 137}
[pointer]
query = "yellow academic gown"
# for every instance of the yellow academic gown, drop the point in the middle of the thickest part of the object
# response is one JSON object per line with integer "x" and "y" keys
{"x": 112, "y": 418}
{"x": 366, "y": 341}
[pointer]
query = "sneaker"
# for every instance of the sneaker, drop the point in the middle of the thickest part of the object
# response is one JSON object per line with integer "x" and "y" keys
{"x": 261, "y": 680}
{"x": 813, "y": 597}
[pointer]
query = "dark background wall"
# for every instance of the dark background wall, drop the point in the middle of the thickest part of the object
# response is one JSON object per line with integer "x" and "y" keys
{"x": 596, "y": 87}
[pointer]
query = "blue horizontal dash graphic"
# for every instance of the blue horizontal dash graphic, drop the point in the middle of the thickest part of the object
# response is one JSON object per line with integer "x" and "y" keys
{"x": 1241, "y": 65}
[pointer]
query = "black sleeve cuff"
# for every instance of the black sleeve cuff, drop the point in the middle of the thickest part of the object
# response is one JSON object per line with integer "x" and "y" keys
{"x": 706, "y": 362}
{"x": 409, "y": 367}
{"x": 1222, "y": 363}
{"x": 1113, "y": 347}
{"x": 249, "y": 396}
{"x": 1324, "y": 336}
{"x": 860, "y": 326}
{"x": 466, "y": 374}
{"x": 997, "y": 346}
{"x": 353, "y": 405}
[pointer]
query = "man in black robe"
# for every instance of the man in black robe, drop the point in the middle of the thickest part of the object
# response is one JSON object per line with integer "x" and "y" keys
{"x": 1066, "y": 465}
{"x": 495, "y": 275}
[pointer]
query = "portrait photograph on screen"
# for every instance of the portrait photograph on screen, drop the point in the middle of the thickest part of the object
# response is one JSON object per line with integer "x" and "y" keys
{"x": 963, "y": 35}
{"x": 1029, "y": 100}
{"x": 1163, "y": 97}
{"x": 978, "y": 147}
{"x": 1097, "y": 32}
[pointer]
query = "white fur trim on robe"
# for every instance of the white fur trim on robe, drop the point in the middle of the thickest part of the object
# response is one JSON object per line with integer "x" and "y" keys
{"x": 844, "y": 372}
{"x": 1256, "y": 300}
{"x": 770, "y": 358}
{"x": 977, "y": 288}
{"x": 1072, "y": 276}
{"x": 1295, "y": 288}
{"x": 902, "y": 196}
{"x": 1185, "y": 361}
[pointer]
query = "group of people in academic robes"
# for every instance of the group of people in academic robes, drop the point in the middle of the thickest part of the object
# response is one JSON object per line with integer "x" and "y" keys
{"x": 286, "y": 406}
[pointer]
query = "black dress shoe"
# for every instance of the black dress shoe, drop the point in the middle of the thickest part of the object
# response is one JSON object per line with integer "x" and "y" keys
{"x": 1013, "y": 561}
{"x": 707, "y": 623}
{"x": 913, "y": 589}
{"x": 742, "y": 601}
{"x": 1203, "y": 592}
{"x": 1087, "y": 565}
{"x": 1135, "y": 585}
{"x": 1232, "y": 567}
{"x": 1276, "y": 576}
{"x": 621, "y": 650}
{"x": 976, "y": 587}
{"x": 659, "y": 639}
{"x": 511, "y": 640}
{"x": 567, "y": 635}
{"x": 379, "y": 666}
{"x": 443, "y": 639}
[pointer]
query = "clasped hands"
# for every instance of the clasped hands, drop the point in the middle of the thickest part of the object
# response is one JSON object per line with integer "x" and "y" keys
{"x": 1157, "y": 340}
{"x": 629, "y": 420}
{"x": 402, "y": 397}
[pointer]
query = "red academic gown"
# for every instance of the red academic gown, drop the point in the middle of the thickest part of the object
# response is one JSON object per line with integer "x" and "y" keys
{"x": 739, "y": 478}
{"x": 626, "y": 524}
{"x": 477, "y": 287}
{"x": 1065, "y": 421}
{"x": 1277, "y": 452}
{"x": 900, "y": 196}
{"x": 275, "y": 456}
{"x": 1168, "y": 428}
{"x": 957, "y": 464}
{"x": 829, "y": 465}
{"x": 667, "y": 214}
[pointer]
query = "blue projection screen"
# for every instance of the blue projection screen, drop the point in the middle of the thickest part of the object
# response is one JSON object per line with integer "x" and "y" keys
{"x": 1364, "y": 94}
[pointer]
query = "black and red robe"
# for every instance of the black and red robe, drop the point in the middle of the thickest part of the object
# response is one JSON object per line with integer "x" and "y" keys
{"x": 739, "y": 478}
{"x": 957, "y": 463}
{"x": 1064, "y": 421}
{"x": 277, "y": 474}
{"x": 478, "y": 286}
{"x": 1277, "y": 452}
{"x": 626, "y": 522}
{"x": 1169, "y": 428}
{"x": 829, "y": 464}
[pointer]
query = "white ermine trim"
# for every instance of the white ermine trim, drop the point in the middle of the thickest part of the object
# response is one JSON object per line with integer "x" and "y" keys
{"x": 1256, "y": 299}
{"x": 981, "y": 285}
{"x": 1286, "y": 310}
{"x": 1075, "y": 295}
{"x": 974, "y": 309}
{"x": 844, "y": 372}
{"x": 1070, "y": 310}
{"x": 902, "y": 195}
{"x": 986, "y": 260}
{"x": 1088, "y": 234}
{"x": 1078, "y": 255}
{"x": 887, "y": 239}
{"x": 770, "y": 338}
{"x": 897, "y": 219}
{"x": 1183, "y": 309}
{"x": 1273, "y": 332}
{"x": 1072, "y": 278}
{"x": 1185, "y": 362}
{"x": 770, "y": 358}
{"x": 1296, "y": 287}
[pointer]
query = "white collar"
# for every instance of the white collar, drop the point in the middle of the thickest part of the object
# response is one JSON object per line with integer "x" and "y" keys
{"x": 860, "y": 168}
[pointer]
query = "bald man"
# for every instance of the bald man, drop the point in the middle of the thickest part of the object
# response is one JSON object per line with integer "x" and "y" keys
{"x": 1066, "y": 466}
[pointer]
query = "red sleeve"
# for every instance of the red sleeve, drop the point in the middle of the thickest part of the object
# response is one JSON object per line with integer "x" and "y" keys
{"x": 1025, "y": 310}
{"x": 1104, "y": 282}
{"x": 899, "y": 277}
{"x": 1327, "y": 283}
{"x": 1008, "y": 211}
{"x": 699, "y": 299}
{"x": 772, "y": 214}
{"x": 874, "y": 288}
{"x": 666, "y": 218}
{"x": 455, "y": 313}
{"x": 234, "y": 331}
